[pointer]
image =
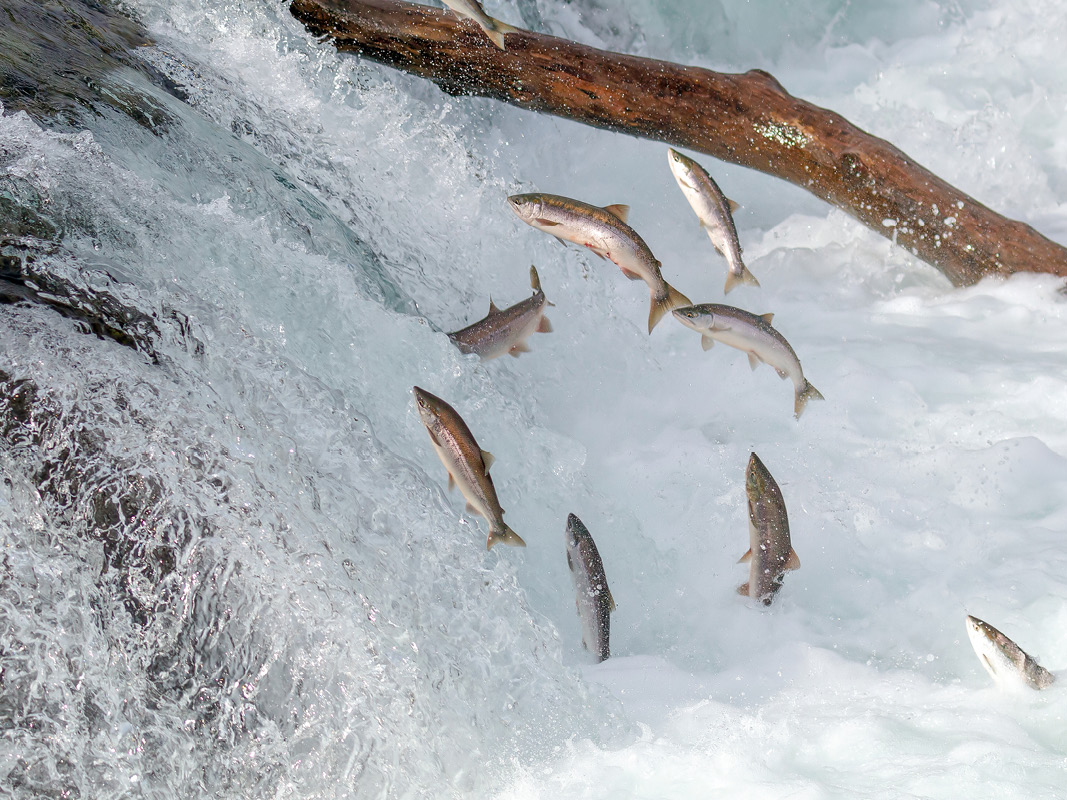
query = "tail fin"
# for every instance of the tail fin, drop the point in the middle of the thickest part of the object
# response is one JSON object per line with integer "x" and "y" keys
{"x": 505, "y": 536}
{"x": 661, "y": 305}
{"x": 733, "y": 281}
{"x": 496, "y": 33}
{"x": 808, "y": 392}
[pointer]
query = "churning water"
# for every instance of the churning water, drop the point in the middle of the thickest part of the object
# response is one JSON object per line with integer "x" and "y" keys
{"x": 230, "y": 566}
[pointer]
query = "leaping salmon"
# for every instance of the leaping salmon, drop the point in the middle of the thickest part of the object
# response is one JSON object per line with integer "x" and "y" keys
{"x": 714, "y": 212}
{"x": 467, "y": 464}
{"x": 506, "y": 331}
{"x": 605, "y": 232}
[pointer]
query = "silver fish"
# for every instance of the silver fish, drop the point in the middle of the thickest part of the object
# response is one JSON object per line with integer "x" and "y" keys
{"x": 594, "y": 600}
{"x": 754, "y": 335}
{"x": 1005, "y": 660}
{"x": 472, "y": 10}
{"x": 467, "y": 464}
{"x": 506, "y": 331}
{"x": 770, "y": 553}
{"x": 605, "y": 232}
{"x": 713, "y": 210}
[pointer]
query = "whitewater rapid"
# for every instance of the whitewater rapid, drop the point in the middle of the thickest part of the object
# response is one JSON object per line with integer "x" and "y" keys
{"x": 230, "y": 564}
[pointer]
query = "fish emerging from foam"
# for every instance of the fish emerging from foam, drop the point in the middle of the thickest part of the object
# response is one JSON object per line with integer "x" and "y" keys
{"x": 594, "y": 600}
{"x": 714, "y": 212}
{"x": 754, "y": 335}
{"x": 770, "y": 553}
{"x": 1003, "y": 659}
{"x": 472, "y": 10}
{"x": 506, "y": 331}
{"x": 605, "y": 232}
{"x": 467, "y": 464}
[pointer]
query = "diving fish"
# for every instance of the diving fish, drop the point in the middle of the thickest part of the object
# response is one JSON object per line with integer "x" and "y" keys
{"x": 506, "y": 331}
{"x": 467, "y": 464}
{"x": 472, "y": 10}
{"x": 770, "y": 553}
{"x": 713, "y": 210}
{"x": 594, "y": 600}
{"x": 754, "y": 335}
{"x": 1005, "y": 660}
{"x": 605, "y": 232}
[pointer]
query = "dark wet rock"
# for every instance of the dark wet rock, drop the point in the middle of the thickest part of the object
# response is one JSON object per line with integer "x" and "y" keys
{"x": 61, "y": 59}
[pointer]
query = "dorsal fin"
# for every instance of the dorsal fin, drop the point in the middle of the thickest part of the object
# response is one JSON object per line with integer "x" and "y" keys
{"x": 746, "y": 557}
{"x": 793, "y": 561}
{"x": 535, "y": 281}
{"x": 492, "y": 307}
{"x": 487, "y": 459}
{"x": 768, "y": 317}
{"x": 733, "y": 206}
{"x": 611, "y": 600}
{"x": 619, "y": 210}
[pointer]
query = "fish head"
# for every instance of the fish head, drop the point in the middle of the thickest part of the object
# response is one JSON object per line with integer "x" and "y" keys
{"x": 576, "y": 532}
{"x": 1002, "y": 658}
{"x": 758, "y": 480}
{"x": 699, "y": 318}
{"x": 527, "y": 207}
{"x": 681, "y": 166}
{"x": 429, "y": 406}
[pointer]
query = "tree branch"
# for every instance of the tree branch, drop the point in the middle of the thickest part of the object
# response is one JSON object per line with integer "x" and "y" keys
{"x": 746, "y": 119}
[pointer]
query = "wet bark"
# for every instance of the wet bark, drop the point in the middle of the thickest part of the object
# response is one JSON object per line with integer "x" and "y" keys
{"x": 746, "y": 119}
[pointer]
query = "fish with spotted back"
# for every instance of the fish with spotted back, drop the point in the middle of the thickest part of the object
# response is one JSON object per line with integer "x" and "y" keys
{"x": 467, "y": 464}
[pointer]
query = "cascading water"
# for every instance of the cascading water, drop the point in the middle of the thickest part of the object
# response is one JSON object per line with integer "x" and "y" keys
{"x": 230, "y": 566}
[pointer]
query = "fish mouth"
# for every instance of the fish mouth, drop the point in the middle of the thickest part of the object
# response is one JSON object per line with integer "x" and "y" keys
{"x": 688, "y": 316}
{"x": 524, "y": 205}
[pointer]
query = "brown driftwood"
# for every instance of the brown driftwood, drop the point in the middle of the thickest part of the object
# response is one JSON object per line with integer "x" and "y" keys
{"x": 746, "y": 119}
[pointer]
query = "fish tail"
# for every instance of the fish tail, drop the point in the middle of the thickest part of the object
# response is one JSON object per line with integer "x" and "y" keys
{"x": 496, "y": 36}
{"x": 806, "y": 393}
{"x": 506, "y": 536}
{"x": 733, "y": 281}
{"x": 496, "y": 29}
{"x": 661, "y": 305}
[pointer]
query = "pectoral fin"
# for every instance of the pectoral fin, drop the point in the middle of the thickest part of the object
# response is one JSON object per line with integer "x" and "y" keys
{"x": 544, "y": 326}
{"x": 753, "y": 360}
{"x": 521, "y": 347}
{"x": 451, "y": 482}
{"x": 546, "y": 223}
{"x": 707, "y": 342}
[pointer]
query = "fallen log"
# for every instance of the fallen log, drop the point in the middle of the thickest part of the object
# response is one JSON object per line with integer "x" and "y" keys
{"x": 746, "y": 119}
